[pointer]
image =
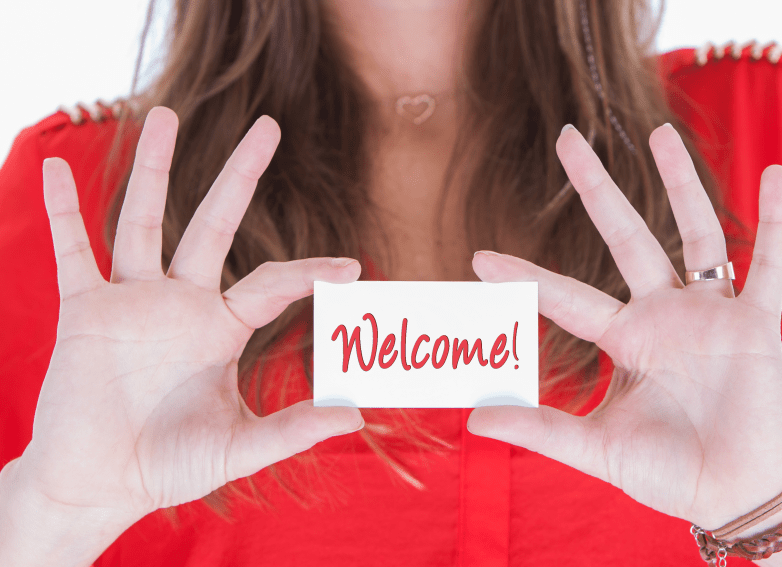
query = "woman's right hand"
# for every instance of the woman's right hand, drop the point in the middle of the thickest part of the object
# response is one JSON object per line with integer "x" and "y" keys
{"x": 140, "y": 407}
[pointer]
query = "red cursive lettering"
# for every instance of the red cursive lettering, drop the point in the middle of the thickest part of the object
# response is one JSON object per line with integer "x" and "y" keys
{"x": 415, "y": 351}
{"x": 440, "y": 340}
{"x": 385, "y": 350}
{"x": 403, "y": 349}
{"x": 355, "y": 339}
{"x": 462, "y": 347}
{"x": 497, "y": 348}
{"x": 439, "y": 354}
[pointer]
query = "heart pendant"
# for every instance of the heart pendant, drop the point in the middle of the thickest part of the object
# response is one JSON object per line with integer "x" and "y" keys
{"x": 418, "y": 109}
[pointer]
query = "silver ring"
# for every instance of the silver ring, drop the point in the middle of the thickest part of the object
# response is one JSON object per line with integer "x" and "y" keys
{"x": 724, "y": 272}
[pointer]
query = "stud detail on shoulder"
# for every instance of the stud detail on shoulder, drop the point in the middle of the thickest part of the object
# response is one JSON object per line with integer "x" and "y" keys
{"x": 757, "y": 51}
{"x": 98, "y": 111}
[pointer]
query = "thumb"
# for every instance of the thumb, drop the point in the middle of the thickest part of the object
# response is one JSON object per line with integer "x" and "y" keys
{"x": 261, "y": 441}
{"x": 571, "y": 440}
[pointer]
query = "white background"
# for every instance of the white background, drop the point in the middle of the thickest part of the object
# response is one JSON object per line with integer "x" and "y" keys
{"x": 56, "y": 52}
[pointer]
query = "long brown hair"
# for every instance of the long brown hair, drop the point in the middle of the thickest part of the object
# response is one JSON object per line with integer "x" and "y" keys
{"x": 526, "y": 75}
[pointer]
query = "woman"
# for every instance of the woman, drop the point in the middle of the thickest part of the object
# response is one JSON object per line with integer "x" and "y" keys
{"x": 139, "y": 410}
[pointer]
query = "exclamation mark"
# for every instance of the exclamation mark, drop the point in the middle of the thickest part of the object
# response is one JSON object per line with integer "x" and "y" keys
{"x": 516, "y": 356}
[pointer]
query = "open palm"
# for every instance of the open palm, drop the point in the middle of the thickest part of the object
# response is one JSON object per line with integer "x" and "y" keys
{"x": 140, "y": 406}
{"x": 689, "y": 423}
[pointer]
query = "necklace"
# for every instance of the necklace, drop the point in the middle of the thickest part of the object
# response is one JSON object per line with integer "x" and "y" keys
{"x": 417, "y": 108}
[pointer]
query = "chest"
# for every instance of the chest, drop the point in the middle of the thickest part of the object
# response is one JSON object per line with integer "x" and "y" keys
{"x": 415, "y": 228}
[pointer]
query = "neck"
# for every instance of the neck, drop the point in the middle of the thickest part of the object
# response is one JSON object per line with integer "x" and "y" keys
{"x": 403, "y": 47}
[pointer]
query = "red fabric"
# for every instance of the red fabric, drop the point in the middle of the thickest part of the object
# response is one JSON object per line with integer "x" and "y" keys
{"x": 481, "y": 503}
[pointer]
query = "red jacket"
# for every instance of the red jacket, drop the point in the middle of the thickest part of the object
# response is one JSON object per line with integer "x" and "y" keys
{"x": 482, "y": 503}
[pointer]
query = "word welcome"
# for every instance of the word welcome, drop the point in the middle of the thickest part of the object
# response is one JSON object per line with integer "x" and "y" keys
{"x": 439, "y": 354}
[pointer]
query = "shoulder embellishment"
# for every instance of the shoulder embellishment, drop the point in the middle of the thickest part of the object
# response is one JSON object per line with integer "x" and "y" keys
{"x": 99, "y": 111}
{"x": 753, "y": 49}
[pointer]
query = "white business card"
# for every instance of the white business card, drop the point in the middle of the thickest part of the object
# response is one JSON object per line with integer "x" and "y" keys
{"x": 384, "y": 344}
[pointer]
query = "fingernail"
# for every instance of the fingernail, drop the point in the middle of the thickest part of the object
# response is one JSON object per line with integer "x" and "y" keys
{"x": 566, "y": 127}
{"x": 341, "y": 262}
{"x": 361, "y": 426}
{"x": 487, "y": 252}
{"x": 669, "y": 125}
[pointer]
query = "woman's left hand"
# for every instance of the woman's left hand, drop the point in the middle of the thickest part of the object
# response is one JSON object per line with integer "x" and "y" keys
{"x": 691, "y": 421}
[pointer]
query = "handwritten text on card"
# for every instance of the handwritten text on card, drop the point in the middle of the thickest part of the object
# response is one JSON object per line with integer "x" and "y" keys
{"x": 425, "y": 344}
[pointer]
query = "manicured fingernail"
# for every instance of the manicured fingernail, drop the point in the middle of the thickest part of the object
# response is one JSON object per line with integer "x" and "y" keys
{"x": 669, "y": 125}
{"x": 566, "y": 127}
{"x": 341, "y": 262}
{"x": 487, "y": 252}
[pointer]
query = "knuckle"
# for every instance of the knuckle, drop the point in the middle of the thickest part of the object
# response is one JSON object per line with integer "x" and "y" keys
{"x": 621, "y": 235}
{"x": 305, "y": 281}
{"x": 264, "y": 291}
{"x": 68, "y": 215}
{"x": 684, "y": 183}
{"x": 564, "y": 306}
{"x": 593, "y": 184}
{"x": 289, "y": 434}
{"x": 702, "y": 234}
{"x": 152, "y": 165}
{"x": 769, "y": 222}
{"x": 765, "y": 260}
{"x": 270, "y": 295}
{"x": 77, "y": 248}
{"x": 217, "y": 224}
{"x": 243, "y": 173}
{"x": 547, "y": 429}
{"x": 150, "y": 222}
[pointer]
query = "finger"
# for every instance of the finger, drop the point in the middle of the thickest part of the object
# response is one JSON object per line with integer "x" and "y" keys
{"x": 763, "y": 286}
{"x": 200, "y": 256}
{"x": 578, "y": 308}
{"x": 265, "y": 293}
{"x": 702, "y": 235}
{"x": 138, "y": 243}
{"x": 639, "y": 257}
{"x": 574, "y": 441}
{"x": 262, "y": 441}
{"x": 77, "y": 271}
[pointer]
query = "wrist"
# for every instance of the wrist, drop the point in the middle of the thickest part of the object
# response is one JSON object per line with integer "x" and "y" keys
{"x": 775, "y": 560}
{"x": 36, "y": 530}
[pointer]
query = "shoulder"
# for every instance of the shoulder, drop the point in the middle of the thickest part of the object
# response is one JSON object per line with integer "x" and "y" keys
{"x": 78, "y": 133}
{"x": 729, "y": 95}
{"x": 79, "y": 121}
{"x": 730, "y": 54}
{"x": 715, "y": 75}
{"x": 83, "y": 135}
